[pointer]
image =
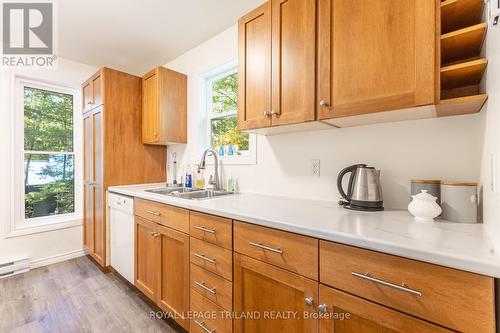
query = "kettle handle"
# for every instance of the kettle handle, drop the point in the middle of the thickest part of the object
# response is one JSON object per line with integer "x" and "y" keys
{"x": 340, "y": 177}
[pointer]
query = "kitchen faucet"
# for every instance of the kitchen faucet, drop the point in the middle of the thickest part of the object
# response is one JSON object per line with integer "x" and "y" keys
{"x": 214, "y": 179}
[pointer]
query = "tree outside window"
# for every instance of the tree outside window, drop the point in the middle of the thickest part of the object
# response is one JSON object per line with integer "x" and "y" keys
{"x": 223, "y": 105}
{"x": 49, "y": 184}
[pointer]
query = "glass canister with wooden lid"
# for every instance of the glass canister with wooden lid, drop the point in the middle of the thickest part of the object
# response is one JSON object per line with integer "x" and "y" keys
{"x": 459, "y": 201}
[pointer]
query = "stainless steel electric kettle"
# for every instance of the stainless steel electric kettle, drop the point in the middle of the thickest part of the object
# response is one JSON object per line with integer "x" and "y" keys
{"x": 364, "y": 191}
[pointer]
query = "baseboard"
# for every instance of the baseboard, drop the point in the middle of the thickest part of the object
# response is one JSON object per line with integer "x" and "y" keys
{"x": 57, "y": 258}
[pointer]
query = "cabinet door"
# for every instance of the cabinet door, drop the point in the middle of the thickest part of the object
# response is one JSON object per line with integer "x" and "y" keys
{"x": 254, "y": 73}
{"x": 99, "y": 193}
{"x": 86, "y": 96}
{"x": 96, "y": 91}
{"x": 293, "y": 61}
{"x": 174, "y": 283}
{"x": 343, "y": 313}
{"x": 270, "y": 290}
{"x": 88, "y": 188}
{"x": 375, "y": 57}
{"x": 147, "y": 256}
{"x": 150, "y": 108}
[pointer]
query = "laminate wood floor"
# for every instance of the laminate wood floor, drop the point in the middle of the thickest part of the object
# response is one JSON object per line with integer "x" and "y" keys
{"x": 74, "y": 296}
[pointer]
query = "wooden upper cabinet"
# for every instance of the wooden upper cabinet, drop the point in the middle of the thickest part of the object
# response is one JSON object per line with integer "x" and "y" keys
{"x": 97, "y": 91}
{"x": 374, "y": 58}
{"x": 254, "y": 72}
{"x": 277, "y": 64}
{"x": 263, "y": 287}
{"x": 164, "y": 107}
{"x": 343, "y": 313}
{"x": 86, "y": 96}
{"x": 92, "y": 92}
{"x": 150, "y": 108}
{"x": 293, "y": 61}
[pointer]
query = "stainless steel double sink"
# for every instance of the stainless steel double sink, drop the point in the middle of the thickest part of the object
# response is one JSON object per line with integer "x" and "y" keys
{"x": 188, "y": 193}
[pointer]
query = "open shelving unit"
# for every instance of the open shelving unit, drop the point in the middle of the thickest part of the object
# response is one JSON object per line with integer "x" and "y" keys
{"x": 462, "y": 67}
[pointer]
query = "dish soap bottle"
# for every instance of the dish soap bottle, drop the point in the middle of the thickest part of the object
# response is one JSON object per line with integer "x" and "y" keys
{"x": 189, "y": 178}
{"x": 199, "y": 180}
{"x": 230, "y": 184}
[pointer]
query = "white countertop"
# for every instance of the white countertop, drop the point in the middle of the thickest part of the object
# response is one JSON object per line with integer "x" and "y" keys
{"x": 462, "y": 246}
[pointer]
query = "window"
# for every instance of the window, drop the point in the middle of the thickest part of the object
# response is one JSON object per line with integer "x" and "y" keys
{"x": 233, "y": 146}
{"x": 47, "y": 171}
{"x": 49, "y": 187}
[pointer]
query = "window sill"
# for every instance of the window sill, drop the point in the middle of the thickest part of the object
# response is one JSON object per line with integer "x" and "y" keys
{"x": 26, "y": 229}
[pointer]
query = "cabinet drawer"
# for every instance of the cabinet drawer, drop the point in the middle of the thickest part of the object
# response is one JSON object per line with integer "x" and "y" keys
{"x": 212, "y": 286}
{"x": 211, "y": 257}
{"x": 208, "y": 317}
{"x": 365, "y": 316}
{"x": 169, "y": 216}
{"x": 293, "y": 252}
{"x": 213, "y": 229}
{"x": 459, "y": 300}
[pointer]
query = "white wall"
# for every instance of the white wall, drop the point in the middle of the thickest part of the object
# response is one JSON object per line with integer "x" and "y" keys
{"x": 491, "y": 145}
{"x": 48, "y": 244}
{"x": 446, "y": 148}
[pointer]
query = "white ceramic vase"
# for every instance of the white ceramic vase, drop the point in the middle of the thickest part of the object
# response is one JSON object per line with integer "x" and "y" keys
{"x": 424, "y": 207}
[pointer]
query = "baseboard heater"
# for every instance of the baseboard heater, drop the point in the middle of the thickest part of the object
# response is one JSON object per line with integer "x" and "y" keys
{"x": 14, "y": 267}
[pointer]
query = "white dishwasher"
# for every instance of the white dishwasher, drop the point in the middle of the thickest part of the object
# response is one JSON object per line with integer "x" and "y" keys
{"x": 121, "y": 216}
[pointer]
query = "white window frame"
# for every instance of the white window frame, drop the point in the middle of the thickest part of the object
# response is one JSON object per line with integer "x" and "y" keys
{"x": 18, "y": 225}
{"x": 209, "y": 78}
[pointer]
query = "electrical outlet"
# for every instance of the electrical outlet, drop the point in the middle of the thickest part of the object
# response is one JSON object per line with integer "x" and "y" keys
{"x": 315, "y": 168}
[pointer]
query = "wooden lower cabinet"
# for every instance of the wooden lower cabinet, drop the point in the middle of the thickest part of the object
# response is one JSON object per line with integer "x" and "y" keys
{"x": 147, "y": 256}
{"x": 162, "y": 267}
{"x": 174, "y": 279}
{"x": 344, "y": 313}
{"x": 280, "y": 298}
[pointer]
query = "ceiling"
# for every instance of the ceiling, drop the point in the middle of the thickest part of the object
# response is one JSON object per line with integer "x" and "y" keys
{"x": 137, "y": 35}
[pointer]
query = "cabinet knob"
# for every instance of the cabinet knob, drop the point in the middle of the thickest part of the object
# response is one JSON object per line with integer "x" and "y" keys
{"x": 322, "y": 308}
{"x": 151, "y": 233}
{"x": 275, "y": 113}
{"x": 266, "y": 114}
{"x": 323, "y": 103}
{"x": 309, "y": 301}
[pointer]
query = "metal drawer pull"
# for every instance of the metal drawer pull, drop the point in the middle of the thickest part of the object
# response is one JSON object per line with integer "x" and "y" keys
{"x": 268, "y": 248}
{"x": 202, "y": 285}
{"x": 202, "y": 256}
{"x": 402, "y": 287}
{"x": 210, "y": 231}
{"x": 152, "y": 212}
{"x": 202, "y": 325}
